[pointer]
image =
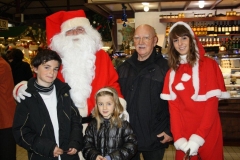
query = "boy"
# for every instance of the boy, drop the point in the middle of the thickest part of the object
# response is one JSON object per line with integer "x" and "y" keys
{"x": 48, "y": 124}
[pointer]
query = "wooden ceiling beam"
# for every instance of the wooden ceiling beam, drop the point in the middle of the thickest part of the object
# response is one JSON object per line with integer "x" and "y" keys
{"x": 186, "y": 6}
{"x": 215, "y": 3}
{"x": 159, "y": 6}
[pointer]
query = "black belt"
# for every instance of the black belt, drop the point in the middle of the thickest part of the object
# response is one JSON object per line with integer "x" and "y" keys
{"x": 87, "y": 119}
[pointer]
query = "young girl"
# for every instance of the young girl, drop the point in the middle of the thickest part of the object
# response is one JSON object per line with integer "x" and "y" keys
{"x": 47, "y": 124}
{"x": 193, "y": 87}
{"x": 108, "y": 137}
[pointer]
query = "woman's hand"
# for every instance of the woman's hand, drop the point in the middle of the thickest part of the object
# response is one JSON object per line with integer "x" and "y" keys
{"x": 100, "y": 158}
{"x": 72, "y": 151}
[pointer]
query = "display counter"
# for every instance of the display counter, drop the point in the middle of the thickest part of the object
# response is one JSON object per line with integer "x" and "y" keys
{"x": 229, "y": 110}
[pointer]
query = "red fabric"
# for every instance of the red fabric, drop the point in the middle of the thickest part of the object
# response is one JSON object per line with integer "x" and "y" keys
{"x": 18, "y": 88}
{"x": 105, "y": 75}
{"x": 7, "y": 102}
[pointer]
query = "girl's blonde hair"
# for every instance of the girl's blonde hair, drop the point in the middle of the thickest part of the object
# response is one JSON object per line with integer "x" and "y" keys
{"x": 173, "y": 55}
{"x": 115, "y": 120}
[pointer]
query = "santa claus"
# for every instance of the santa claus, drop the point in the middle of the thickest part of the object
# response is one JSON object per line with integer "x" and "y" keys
{"x": 85, "y": 66}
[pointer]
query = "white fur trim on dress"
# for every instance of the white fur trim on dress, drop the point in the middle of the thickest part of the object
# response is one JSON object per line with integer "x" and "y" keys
{"x": 196, "y": 138}
{"x": 185, "y": 77}
{"x": 74, "y": 22}
{"x": 180, "y": 86}
{"x": 165, "y": 96}
{"x": 195, "y": 80}
{"x": 179, "y": 142}
{"x": 171, "y": 78}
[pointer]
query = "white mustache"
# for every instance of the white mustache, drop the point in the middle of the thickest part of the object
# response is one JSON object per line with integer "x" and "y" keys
{"x": 141, "y": 45}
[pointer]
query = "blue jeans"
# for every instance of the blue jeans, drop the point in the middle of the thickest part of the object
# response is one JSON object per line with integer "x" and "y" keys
{"x": 150, "y": 155}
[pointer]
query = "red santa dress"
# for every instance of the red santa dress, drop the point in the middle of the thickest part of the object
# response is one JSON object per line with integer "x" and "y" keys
{"x": 192, "y": 93}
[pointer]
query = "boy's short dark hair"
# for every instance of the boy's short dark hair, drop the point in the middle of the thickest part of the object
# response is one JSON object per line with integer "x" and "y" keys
{"x": 44, "y": 56}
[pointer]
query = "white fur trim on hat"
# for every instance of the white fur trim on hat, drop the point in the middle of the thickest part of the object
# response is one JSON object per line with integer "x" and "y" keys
{"x": 182, "y": 23}
{"x": 74, "y": 22}
{"x": 190, "y": 30}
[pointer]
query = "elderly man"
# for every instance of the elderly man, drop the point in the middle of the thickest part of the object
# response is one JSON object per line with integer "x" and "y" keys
{"x": 85, "y": 66}
{"x": 141, "y": 80}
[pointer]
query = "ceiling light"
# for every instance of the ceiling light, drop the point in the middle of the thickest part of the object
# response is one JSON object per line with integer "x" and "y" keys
{"x": 145, "y": 3}
{"x": 146, "y": 8}
{"x": 201, "y": 4}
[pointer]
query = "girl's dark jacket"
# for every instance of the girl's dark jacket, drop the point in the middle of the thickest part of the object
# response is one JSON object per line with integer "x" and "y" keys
{"x": 33, "y": 129}
{"x": 141, "y": 86}
{"x": 118, "y": 143}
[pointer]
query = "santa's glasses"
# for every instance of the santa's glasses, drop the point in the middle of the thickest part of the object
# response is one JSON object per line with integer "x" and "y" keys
{"x": 75, "y": 31}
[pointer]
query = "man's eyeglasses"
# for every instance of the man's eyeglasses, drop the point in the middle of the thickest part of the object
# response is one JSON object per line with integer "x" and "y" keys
{"x": 75, "y": 31}
{"x": 144, "y": 39}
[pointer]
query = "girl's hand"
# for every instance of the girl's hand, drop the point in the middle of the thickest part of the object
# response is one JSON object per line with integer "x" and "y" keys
{"x": 72, "y": 151}
{"x": 57, "y": 151}
{"x": 100, "y": 158}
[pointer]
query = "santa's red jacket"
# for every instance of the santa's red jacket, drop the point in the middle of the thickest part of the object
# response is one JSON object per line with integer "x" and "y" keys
{"x": 105, "y": 75}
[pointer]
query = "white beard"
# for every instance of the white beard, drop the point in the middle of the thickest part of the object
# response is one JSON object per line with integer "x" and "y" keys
{"x": 78, "y": 59}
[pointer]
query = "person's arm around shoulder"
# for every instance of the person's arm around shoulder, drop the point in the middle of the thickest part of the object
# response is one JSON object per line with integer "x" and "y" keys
{"x": 19, "y": 91}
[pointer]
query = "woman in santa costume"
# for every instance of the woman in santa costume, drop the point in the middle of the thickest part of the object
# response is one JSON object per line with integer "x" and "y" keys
{"x": 193, "y": 86}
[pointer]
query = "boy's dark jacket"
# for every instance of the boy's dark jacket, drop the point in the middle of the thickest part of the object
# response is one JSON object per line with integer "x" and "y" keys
{"x": 33, "y": 130}
{"x": 118, "y": 143}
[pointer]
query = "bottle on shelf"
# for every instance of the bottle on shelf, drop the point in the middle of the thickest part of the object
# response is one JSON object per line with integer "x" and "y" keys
{"x": 233, "y": 27}
{"x": 203, "y": 42}
{"x": 201, "y": 29}
{"x": 194, "y": 28}
{"x": 219, "y": 28}
{"x": 223, "y": 28}
{"x": 222, "y": 46}
{"x": 233, "y": 43}
{"x": 226, "y": 43}
{"x": 226, "y": 27}
{"x": 237, "y": 28}
{"x": 218, "y": 42}
{"x": 212, "y": 29}
{"x": 229, "y": 27}
{"x": 208, "y": 28}
{"x": 167, "y": 29}
{"x": 237, "y": 43}
{"x": 205, "y": 28}
{"x": 215, "y": 28}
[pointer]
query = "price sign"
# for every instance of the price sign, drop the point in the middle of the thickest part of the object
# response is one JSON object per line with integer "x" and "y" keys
{"x": 3, "y": 24}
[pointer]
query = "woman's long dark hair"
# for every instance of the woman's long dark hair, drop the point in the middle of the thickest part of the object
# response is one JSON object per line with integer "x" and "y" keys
{"x": 173, "y": 55}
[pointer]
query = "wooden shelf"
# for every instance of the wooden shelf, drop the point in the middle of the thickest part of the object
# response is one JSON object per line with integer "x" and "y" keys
{"x": 225, "y": 18}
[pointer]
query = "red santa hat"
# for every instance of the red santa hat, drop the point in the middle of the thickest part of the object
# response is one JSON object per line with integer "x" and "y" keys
{"x": 63, "y": 21}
